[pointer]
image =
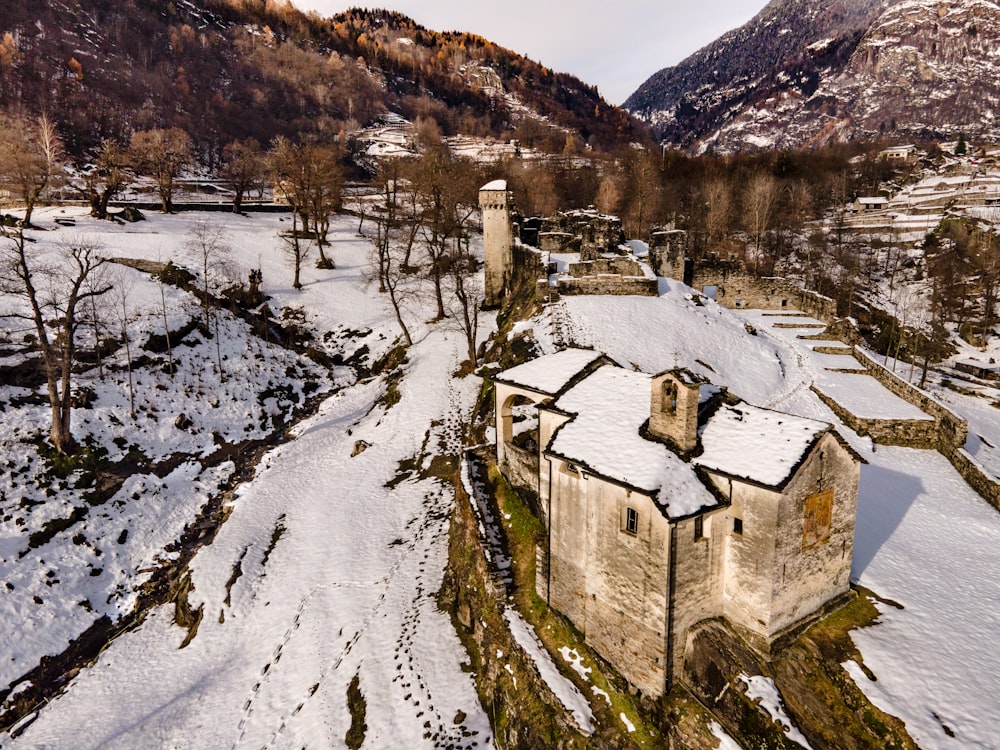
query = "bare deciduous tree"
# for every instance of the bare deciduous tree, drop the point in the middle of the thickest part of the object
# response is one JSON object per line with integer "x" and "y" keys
{"x": 104, "y": 179}
{"x": 163, "y": 155}
{"x": 466, "y": 281}
{"x": 388, "y": 267}
{"x": 208, "y": 246}
{"x": 54, "y": 287}
{"x": 244, "y": 164}
{"x": 30, "y": 159}
{"x": 758, "y": 208}
{"x": 310, "y": 178}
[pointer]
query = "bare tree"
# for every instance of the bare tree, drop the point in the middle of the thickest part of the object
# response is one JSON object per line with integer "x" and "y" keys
{"x": 244, "y": 164}
{"x": 309, "y": 178}
{"x": 389, "y": 269}
{"x": 295, "y": 251}
{"x": 208, "y": 245}
{"x": 463, "y": 270}
{"x": 104, "y": 179}
{"x": 54, "y": 291}
{"x": 30, "y": 159}
{"x": 758, "y": 209}
{"x": 124, "y": 314}
{"x": 163, "y": 155}
{"x": 446, "y": 189}
{"x": 716, "y": 195}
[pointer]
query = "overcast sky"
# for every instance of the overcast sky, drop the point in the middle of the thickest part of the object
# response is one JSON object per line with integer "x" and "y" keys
{"x": 614, "y": 44}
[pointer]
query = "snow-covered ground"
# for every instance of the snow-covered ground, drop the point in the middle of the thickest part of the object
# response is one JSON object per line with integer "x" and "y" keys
{"x": 321, "y": 573}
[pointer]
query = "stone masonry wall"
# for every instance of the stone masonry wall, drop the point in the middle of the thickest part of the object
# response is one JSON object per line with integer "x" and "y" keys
{"x": 611, "y": 583}
{"x": 952, "y": 430}
{"x": 614, "y": 285}
{"x": 911, "y": 433}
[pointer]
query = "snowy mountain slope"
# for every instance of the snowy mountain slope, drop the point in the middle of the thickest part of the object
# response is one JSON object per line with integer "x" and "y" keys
{"x": 801, "y": 73}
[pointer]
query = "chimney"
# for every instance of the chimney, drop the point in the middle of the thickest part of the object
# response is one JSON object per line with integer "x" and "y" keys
{"x": 673, "y": 410}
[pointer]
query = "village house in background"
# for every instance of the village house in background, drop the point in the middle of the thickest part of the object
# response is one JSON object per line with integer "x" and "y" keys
{"x": 668, "y": 503}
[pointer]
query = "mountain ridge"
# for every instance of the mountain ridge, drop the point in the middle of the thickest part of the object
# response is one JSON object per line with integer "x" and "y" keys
{"x": 233, "y": 69}
{"x": 799, "y": 74}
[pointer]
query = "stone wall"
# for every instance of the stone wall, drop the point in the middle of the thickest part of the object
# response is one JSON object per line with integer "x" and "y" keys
{"x": 619, "y": 265}
{"x": 558, "y": 242}
{"x": 950, "y": 435}
{"x": 951, "y": 431}
{"x": 613, "y": 285}
{"x": 520, "y": 467}
{"x": 793, "y": 554}
{"x": 977, "y": 477}
{"x": 911, "y": 433}
{"x": 734, "y": 286}
{"x": 738, "y": 289}
{"x": 698, "y": 574}
{"x": 611, "y": 583}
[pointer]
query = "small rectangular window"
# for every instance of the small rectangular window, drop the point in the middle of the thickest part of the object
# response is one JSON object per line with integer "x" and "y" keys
{"x": 737, "y": 525}
{"x": 631, "y": 520}
{"x": 699, "y": 527}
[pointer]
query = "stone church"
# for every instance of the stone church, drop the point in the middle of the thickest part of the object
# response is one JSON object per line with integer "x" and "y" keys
{"x": 668, "y": 502}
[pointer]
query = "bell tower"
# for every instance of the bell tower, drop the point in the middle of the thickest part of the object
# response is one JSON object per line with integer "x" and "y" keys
{"x": 673, "y": 408}
{"x": 495, "y": 201}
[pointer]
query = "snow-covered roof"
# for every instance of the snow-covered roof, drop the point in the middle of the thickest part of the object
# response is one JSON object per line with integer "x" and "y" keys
{"x": 758, "y": 444}
{"x": 551, "y": 373}
{"x": 610, "y": 405}
{"x": 495, "y": 185}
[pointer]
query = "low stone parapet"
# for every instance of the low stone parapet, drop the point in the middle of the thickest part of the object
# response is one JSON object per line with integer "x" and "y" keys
{"x": 611, "y": 284}
{"x": 910, "y": 433}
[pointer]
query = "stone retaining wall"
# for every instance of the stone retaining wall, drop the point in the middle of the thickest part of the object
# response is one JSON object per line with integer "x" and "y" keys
{"x": 910, "y": 433}
{"x": 973, "y": 473}
{"x": 615, "y": 285}
{"x": 952, "y": 430}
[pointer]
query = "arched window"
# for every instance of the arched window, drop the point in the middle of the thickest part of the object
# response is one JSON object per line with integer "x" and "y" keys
{"x": 668, "y": 403}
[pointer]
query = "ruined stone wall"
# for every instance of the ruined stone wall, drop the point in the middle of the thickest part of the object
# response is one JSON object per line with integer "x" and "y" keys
{"x": 621, "y": 265}
{"x": 612, "y": 584}
{"x": 613, "y": 285}
{"x": 735, "y": 287}
{"x": 739, "y": 289}
{"x": 558, "y": 242}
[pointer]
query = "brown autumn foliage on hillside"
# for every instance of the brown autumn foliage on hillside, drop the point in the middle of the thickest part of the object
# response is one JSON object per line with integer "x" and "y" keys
{"x": 226, "y": 70}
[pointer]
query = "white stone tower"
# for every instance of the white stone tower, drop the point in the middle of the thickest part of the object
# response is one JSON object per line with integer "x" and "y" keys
{"x": 495, "y": 201}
